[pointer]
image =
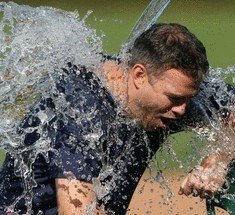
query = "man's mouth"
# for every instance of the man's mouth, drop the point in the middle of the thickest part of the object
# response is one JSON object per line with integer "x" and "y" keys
{"x": 167, "y": 121}
{"x": 163, "y": 122}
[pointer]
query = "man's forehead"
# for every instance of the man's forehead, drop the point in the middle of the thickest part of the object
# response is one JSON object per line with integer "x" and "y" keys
{"x": 174, "y": 75}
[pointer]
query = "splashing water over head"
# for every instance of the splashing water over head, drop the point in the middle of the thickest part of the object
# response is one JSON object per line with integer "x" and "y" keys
{"x": 34, "y": 43}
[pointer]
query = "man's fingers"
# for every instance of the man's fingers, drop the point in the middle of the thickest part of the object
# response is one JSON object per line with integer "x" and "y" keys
{"x": 203, "y": 189}
{"x": 182, "y": 186}
{"x": 204, "y": 180}
{"x": 186, "y": 187}
{"x": 181, "y": 192}
{"x": 186, "y": 191}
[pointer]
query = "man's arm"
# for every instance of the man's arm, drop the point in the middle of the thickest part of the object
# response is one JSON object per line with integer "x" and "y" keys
{"x": 210, "y": 175}
{"x": 207, "y": 178}
{"x": 76, "y": 197}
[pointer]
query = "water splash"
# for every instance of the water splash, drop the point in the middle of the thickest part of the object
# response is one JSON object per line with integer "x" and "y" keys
{"x": 220, "y": 131}
{"x": 36, "y": 42}
{"x": 150, "y": 16}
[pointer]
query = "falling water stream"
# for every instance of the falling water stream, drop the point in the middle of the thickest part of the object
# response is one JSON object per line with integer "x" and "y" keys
{"x": 35, "y": 43}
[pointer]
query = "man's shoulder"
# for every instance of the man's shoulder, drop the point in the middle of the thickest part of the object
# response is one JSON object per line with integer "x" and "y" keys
{"x": 79, "y": 84}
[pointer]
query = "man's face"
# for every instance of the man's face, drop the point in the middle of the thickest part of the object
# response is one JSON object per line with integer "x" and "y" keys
{"x": 165, "y": 99}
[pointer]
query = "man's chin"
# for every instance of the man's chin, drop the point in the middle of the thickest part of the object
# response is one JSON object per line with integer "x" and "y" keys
{"x": 162, "y": 123}
{"x": 154, "y": 127}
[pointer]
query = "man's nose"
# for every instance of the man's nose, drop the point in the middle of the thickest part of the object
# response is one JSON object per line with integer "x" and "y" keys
{"x": 179, "y": 109}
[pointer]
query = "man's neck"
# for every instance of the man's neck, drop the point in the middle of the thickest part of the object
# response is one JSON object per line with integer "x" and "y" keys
{"x": 116, "y": 81}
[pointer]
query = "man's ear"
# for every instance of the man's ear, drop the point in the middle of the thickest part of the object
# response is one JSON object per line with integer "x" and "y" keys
{"x": 139, "y": 75}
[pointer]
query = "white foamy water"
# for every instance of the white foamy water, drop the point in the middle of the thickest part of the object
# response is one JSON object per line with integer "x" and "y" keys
{"x": 34, "y": 43}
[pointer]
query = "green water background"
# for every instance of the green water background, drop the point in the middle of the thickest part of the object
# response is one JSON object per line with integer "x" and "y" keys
{"x": 213, "y": 21}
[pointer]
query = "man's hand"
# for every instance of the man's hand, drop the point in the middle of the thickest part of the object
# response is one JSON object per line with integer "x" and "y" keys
{"x": 206, "y": 179}
{"x": 209, "y": 176}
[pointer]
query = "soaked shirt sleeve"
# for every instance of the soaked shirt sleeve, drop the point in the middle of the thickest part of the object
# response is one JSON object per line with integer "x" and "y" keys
{"x": 214, "y": 101}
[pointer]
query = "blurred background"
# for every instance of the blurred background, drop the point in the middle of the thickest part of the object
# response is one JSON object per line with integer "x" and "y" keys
{"x": 213, "y": 21}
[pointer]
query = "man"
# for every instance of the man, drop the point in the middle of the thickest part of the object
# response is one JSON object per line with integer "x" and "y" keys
{"x": 101, "y": 141}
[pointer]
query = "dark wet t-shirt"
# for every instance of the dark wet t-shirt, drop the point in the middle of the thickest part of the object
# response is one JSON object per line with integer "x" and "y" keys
{"x": 77, "y": 133}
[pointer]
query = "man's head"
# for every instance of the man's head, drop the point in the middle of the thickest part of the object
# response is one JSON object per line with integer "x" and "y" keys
{"x": 167, "y": 46}
{"x": 167, "y": 64}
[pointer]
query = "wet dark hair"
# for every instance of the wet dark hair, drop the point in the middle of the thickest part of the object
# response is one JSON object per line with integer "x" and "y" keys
{"x": 167, "y": 46}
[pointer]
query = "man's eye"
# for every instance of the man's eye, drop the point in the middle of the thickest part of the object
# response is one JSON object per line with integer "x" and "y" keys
{"x": 173, "y": 99}
{"x": 176, "y": 100}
